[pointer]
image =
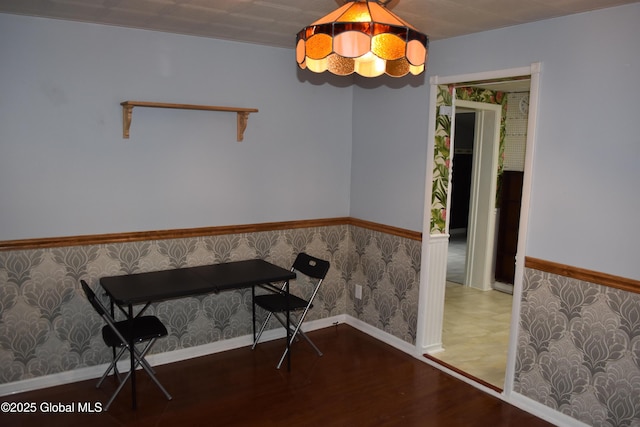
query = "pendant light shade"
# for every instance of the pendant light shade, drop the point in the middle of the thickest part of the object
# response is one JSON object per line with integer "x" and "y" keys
{"x": 362, "y": 37}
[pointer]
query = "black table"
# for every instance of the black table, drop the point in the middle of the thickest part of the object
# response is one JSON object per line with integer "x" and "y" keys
{"x": 144, "y": 288}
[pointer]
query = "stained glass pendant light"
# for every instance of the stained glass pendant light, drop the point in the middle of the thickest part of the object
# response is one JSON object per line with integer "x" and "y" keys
{"x": 362, "y": 37}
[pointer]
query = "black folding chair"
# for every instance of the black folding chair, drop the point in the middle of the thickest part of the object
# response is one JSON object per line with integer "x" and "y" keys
{"x": 119, "y": 334}
{"x": 279, "y": 301}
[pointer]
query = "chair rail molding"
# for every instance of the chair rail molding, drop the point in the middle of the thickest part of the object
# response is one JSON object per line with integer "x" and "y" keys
{"x": 583, "y": 274}
{"x": 137, "y": 236}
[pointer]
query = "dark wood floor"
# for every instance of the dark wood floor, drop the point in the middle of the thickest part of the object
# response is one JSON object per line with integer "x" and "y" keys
{"x": 359, "y": 381}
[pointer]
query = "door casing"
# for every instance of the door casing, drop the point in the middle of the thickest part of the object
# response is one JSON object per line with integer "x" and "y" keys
{"x": 431, "y": 297}
{"x": 482, "y": 212}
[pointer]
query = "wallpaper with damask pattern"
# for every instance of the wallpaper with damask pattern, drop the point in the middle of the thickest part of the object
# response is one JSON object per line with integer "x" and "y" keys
{"x": 388, "y": 269}
{"x": 579, "y": 349}
{"x": 47, "y": 326}
{"x": 578, "y": 344}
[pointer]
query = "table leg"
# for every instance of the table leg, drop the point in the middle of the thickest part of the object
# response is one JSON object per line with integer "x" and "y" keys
{"x": 133, "y": 359}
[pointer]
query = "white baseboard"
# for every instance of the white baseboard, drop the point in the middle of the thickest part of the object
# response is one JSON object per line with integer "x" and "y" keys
{"x": 381, "y": 335}
{"x": 432, "y": 349}
{"x": 82, "y": 374}
{"x": 546, "y": 413}
{"x": 53, "y": 380}
{"x": 503, "y": 287}
{"x": 526, "y": 404}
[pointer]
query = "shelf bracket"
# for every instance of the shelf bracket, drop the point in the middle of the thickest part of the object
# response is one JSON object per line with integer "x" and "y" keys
{"x": 243, "y": 118}
{"x": 242, "y": 114}
{"x": 127, "y": 111}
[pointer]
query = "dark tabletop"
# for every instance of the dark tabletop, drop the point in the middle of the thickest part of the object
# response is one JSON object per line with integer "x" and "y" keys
{"x": 180, "y": 282}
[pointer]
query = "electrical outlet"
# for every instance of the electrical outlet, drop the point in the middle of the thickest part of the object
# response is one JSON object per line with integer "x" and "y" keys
{"x": 358, "y": 291}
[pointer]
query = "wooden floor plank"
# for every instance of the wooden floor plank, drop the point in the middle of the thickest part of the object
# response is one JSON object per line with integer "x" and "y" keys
{"x": 359, "y": 381}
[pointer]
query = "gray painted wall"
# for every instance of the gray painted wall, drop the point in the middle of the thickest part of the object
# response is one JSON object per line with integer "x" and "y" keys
{"x": 585, "y": 199}
{"x": 65, "y": 169}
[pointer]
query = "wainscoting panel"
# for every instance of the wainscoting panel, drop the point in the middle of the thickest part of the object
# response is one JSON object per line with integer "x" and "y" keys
{"x": 437, "y": 279}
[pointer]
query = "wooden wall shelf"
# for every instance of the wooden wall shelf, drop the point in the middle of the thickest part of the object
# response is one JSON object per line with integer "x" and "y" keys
{"x": 127, "y": 111}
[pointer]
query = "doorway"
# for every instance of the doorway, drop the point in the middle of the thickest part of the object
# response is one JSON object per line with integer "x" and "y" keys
{"x": 476, "y": 318}
{"x": 472, "y": 186}
{"x": 435, "y": 245}
{"x": 461, "y": 173}
{"x": 484, "y": 173}
{"x": 497, "y": 269}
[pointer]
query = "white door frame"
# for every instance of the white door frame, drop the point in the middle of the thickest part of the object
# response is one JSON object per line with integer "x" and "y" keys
{"x": 482, "y": 212}
{"x": 434, "y": 247}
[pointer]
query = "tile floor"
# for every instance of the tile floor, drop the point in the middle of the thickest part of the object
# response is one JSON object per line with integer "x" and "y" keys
{"x": 475, "y": 332}
{"x": 476, "y": 324}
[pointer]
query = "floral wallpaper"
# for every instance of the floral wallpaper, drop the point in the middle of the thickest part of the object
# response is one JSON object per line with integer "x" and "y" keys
{"x": 441, "y": 161}
{"x": 48, "y": 327}
{"x": 442, "y": 146}
{"x": 489, "y": 97}
{"x": 579, "y": 349}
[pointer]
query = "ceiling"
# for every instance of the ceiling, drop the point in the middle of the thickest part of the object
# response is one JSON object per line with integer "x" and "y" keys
{"x": 276, "y": 22}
